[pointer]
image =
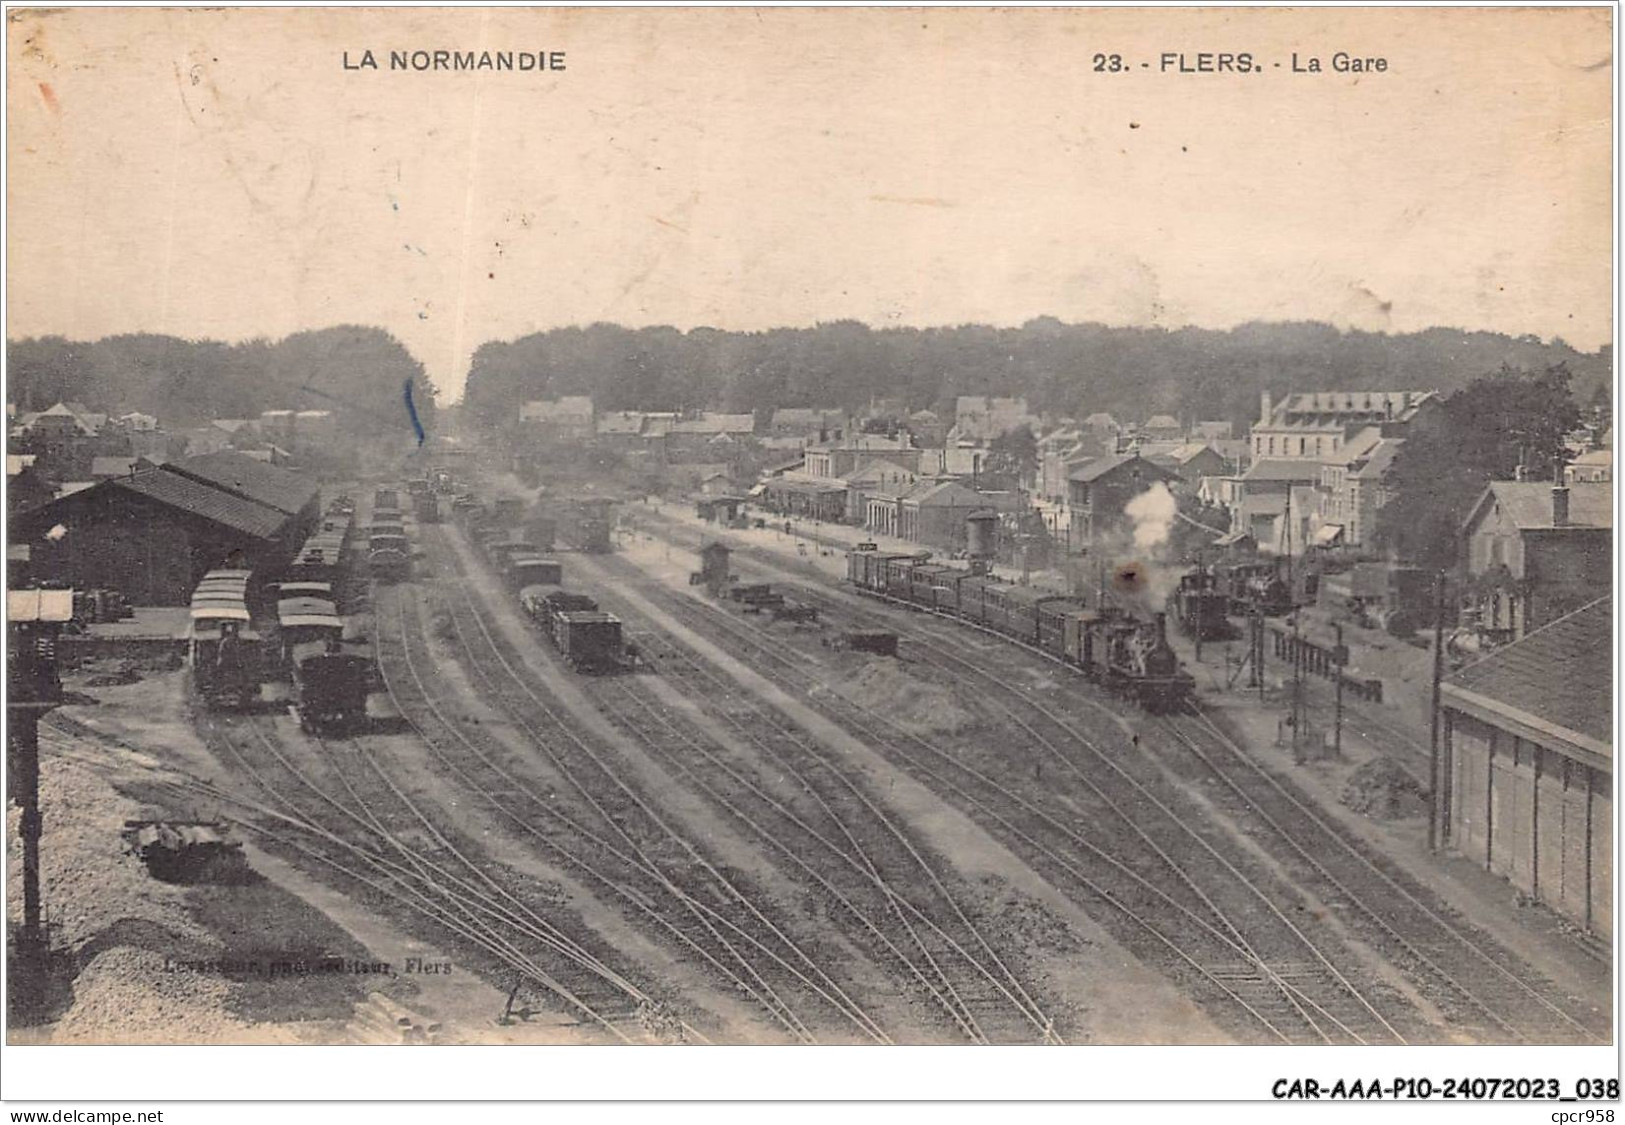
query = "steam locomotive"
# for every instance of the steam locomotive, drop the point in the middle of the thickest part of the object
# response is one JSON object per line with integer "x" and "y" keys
{"x": 1116, "y": 644}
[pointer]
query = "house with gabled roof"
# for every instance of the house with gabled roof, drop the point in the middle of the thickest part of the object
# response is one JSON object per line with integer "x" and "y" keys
{"x": 1533, "y": 551}
{"x": 1099, "y": 489}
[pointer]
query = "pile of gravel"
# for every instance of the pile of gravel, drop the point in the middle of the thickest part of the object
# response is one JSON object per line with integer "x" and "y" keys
{"x": 121, "y": 925}
{"x": 914, "y": 704}
{"x": 1385, "y": 790}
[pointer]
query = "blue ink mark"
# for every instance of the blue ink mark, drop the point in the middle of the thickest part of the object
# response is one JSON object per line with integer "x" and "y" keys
{"x": 412, "y": 411}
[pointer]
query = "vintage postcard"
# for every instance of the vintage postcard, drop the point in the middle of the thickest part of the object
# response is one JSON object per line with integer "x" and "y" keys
{"x": 856, "y": 526}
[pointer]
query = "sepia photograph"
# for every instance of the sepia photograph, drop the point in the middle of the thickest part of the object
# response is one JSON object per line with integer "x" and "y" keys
{"x": 863, "y": 526}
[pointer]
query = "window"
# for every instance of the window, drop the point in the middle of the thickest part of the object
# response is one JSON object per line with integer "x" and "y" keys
{"x": 1317, "y": 447}
{"x": 1272, "y": 447}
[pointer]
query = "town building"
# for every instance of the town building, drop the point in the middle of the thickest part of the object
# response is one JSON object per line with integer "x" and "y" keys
{"x": 25, "y": 486}
{"x": 982, "y": 418}
{"x": 1213, "y": 431}
{"x": 566, "y": 418}
{"x": 1534, "y": 551}
{"x": 1191, "y": 460}
{"x": 1595, "y": 466}
{"x": 815, "y": 424}
{"x": 1527, "y": 764}
{"x": 833, "y": 460}
{"x": 935, "y": 513}
{"x": 1313, "y": 426}
{"x": 879, "y": 477}
{"x": 1162, "y": 427}
{"x": 805, "y": 498}
{"x": 1099, "y": 490}
{"x": 1352, "y": 481}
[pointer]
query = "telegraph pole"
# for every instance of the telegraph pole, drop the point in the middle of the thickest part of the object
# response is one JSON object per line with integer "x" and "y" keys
{"x": 1297, "y": 645}
{"x": 1433, "y": 736}
{"x": 1341, "y": 655}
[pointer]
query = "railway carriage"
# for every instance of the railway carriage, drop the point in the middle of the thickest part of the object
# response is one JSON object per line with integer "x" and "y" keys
{"x": 935, "y": 587}
{"x": 1014, "y": 610}
{"x": 533, "y": 570}
{"x": 1054, "y": 615}
{"x": 303, "y": 619}
{"x": 225, "y": 655}
{"x": 973, "y": 598}
{"x": 866, "y": 569}
{"x": 1199, "y": 606}
{"x": 590, "y": 640}
{"x": 331, "y": 686}
{"x": 389, "y": 558}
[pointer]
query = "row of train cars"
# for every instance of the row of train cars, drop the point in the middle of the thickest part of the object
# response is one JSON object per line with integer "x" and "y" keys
{"x": 588, "y": 638}
{"x": 333, "y": 679}
{"x": 1123, "y": 648}
{"x": 1119, "y": 642}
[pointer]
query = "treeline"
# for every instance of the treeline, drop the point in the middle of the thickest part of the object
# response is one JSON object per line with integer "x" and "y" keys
{"x": 1073, "y": 369}
{"x": 358, "y": 373}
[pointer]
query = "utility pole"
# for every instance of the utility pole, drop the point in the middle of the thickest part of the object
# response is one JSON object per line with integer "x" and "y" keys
{"x": 34, "y": 689}
{"x": 1341, "y": 656}
{"x": 1297, "y": 645}
{"x": 1433, "y": 738}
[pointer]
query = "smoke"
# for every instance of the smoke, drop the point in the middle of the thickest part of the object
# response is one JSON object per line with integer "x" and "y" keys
{"x": 1153, "y": 512}
{"x": 1141, "y": 576}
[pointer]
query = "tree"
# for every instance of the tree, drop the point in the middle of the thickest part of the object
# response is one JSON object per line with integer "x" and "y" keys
{"x": 1014, "y": 452}
{"x": 1483, "y": 432}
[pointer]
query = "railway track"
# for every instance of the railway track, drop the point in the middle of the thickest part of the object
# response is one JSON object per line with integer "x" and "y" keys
{"x": 716, "y": 915}
{"x": 1281, "y": 985}
{"x": 343, "y": 835}
{"x": 820, "y": 813}
{"x": 1503, "y": 1001}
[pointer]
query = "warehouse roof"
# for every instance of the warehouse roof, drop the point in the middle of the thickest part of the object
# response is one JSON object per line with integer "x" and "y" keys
{"x": 282, "y": 489}
{"x": 176, "y": 491}
{"x": 1561, "y": 674}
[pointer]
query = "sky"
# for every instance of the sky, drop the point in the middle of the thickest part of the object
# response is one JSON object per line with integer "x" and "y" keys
{"x": 222, "y": 174}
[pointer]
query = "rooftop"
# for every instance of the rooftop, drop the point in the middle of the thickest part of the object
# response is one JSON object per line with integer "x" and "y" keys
{"x": 282, "y": 489}
{"x": 1275, "y": 469}
{"x": 1562, "y": 673}
{"x": 1528, "y": 504}
{"x": 199, "y": 498}
{"x": 1101, "y": 466}
{"x": 1324, "y": 408}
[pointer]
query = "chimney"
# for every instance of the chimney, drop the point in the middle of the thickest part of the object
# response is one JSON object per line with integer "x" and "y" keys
{"x": 1264, "y": 408}
{"x": 1162, "y": 628}
{"x": 1560, "y": 495}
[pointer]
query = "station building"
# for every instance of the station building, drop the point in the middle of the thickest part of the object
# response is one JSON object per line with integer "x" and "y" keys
{"x": 1527, "y": 765}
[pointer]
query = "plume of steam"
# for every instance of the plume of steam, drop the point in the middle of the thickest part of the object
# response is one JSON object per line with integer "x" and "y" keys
{"x": 1153, "y": 512}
